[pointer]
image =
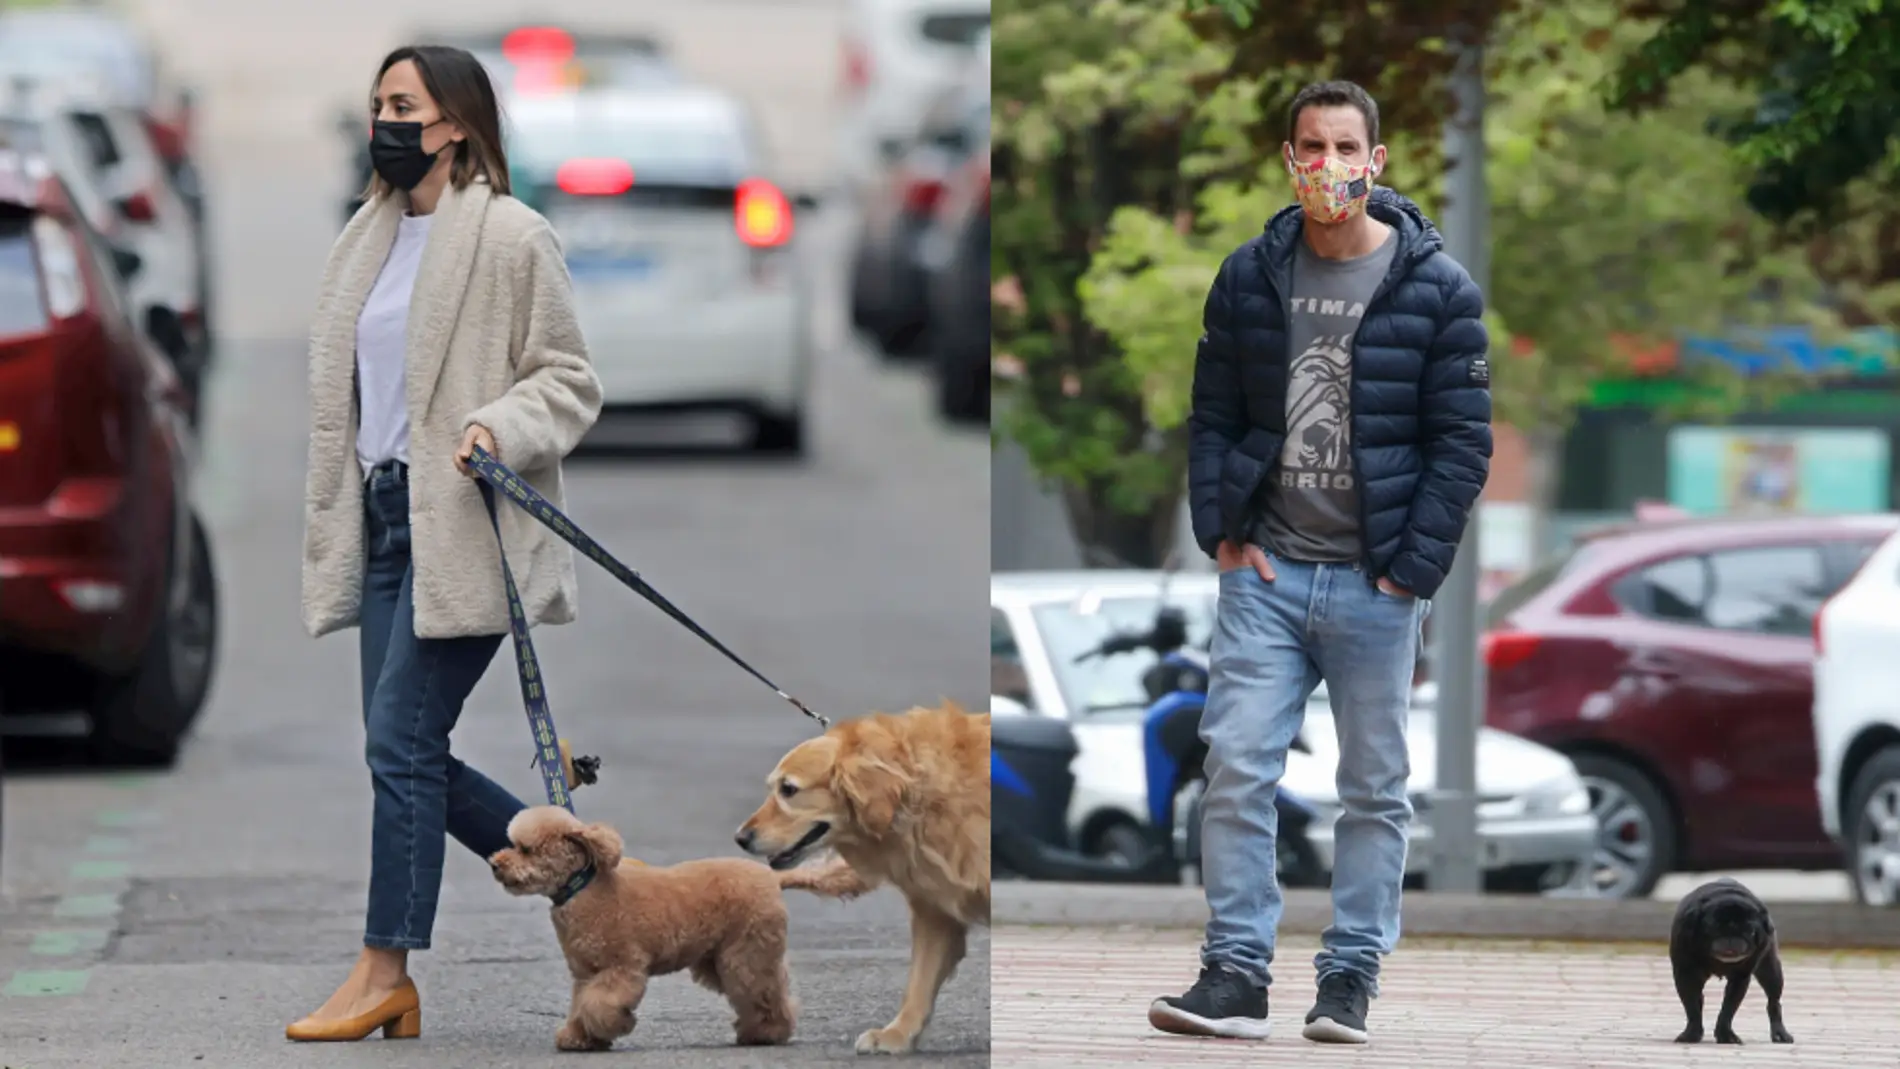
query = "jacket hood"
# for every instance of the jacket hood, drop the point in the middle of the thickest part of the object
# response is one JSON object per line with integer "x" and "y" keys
{"x": 1418, "y": 237}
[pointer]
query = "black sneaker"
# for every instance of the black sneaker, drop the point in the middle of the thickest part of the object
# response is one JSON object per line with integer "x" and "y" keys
{"x": 1339, "y": 1014}
{"x": 1222, "y": 1002}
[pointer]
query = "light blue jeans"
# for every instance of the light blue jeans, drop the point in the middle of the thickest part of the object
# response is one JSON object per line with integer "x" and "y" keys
{"x": 1273, "y": 643}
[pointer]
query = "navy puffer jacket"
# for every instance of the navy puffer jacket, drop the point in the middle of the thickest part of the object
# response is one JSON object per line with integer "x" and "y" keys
{"x": 1421, "y": 398}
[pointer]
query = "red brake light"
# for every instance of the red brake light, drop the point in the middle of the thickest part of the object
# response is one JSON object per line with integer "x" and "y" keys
{"x": 921, "y": 195}
{"x": 169, "y": 139}
{"x": 857, "y": 66}
{"x": 537, "y": 44}
{"x": 138, "y": 208}
{"x": 761, "y": 214}
{"x": 594, "y": 177}
{"x": 1504, "y": 650}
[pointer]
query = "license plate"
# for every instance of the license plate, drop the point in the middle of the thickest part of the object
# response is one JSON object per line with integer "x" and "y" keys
{"x": 610, "y": 265}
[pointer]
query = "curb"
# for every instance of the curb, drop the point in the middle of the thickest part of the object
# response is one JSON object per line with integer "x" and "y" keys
{"x": 1809, "y": 925}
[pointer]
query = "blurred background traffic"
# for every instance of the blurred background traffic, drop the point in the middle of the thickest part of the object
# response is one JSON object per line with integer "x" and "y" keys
{"x": 1687, "y": 551}
{"x": 775, "y": 216}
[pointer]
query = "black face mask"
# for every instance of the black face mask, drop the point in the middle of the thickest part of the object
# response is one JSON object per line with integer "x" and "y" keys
{"x": 395, "y": 150}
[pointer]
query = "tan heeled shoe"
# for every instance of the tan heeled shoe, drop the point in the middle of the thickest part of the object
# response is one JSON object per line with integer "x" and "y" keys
{"x": 399, "y": 1016}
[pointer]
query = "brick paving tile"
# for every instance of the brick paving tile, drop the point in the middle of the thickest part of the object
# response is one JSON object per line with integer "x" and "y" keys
{"x": 1077, "y": 998}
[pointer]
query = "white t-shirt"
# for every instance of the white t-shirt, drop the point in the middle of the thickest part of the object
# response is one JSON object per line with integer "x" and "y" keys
{"x": 382, "y": 431}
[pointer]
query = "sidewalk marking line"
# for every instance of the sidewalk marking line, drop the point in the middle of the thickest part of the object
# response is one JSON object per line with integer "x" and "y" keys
{"x": 86, "y": 906}
{"x": 66, "y": 942}
{"x": 28, "y": 983}
{"x": 127, "y": 818}
{"x": 108, "y": 844}
{"x": 99, "y": 870}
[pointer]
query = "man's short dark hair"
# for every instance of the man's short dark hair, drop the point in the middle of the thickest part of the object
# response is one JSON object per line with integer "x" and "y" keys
{"x": 1335, "y": 95}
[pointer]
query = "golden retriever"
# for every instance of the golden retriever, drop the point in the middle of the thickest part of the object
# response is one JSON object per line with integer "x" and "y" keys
{"x": 620, "y": 922}
{"x": 903, "y": 799}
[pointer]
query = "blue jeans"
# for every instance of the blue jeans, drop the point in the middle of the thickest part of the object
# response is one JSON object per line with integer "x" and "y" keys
{"x": 413, "y": 690}
{"x": 1273, "y": 643}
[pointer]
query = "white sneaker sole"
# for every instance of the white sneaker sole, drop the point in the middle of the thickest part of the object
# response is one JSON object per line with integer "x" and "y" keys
{"x": 1182, "y": 1023}
{"x": 1327, "y": 1030}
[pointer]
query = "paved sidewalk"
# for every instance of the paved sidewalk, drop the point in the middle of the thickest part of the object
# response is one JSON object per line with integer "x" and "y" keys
{"x": 1818, "y": 925}
{"x": 1077, "y": 998}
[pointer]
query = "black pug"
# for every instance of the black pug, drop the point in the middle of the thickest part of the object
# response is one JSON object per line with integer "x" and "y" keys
{"x": 1722, "y": 929}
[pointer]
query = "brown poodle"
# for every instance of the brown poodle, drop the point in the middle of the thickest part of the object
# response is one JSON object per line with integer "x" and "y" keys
{"x": 902, "y": 799}
{"x": 620, "y": 921}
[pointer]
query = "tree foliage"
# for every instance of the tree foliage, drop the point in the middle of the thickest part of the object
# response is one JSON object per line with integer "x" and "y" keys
{"x": 1827, "y": 75}
{"x": 1612, "y": 235}
{"x": 1113, "y": 104}
{"x": 1136, "y": 148}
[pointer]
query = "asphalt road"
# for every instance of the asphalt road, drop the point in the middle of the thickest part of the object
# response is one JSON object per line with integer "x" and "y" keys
{"x": 181, "y": 919}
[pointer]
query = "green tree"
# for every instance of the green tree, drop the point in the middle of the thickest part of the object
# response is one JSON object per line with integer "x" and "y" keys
{"x": 1610, "y": 233}
{"x": 1828, "y": 77}
{"x": 1113, "y": 104}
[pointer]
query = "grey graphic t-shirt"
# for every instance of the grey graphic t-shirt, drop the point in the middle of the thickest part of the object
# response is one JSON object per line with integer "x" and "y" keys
{"x": 1309, "y": 507}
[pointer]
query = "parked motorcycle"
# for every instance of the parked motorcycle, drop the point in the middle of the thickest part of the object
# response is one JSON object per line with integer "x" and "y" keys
{"x": 1174, "y": 755}
{"x": 1030, "y": 787}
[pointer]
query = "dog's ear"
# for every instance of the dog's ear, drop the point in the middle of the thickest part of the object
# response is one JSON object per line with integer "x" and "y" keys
{"x": 871, "y": 789}
{"x": 1693, "y": 916}
{"x": 601, "y": 844}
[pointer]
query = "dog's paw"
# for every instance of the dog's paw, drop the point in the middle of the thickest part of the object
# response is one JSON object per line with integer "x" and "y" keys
{"x": 573, "y": 1037}
{"x": 885, "y": 1041}
{"x": 1780, "y": 1035}
{"x": 1690, "y": 1035}
{"x": 1727, "y": 1037}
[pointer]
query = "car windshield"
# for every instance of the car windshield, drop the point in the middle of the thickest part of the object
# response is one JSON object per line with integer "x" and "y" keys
{"x": 1070, "y": 629}
{"x": 657, "y": 148}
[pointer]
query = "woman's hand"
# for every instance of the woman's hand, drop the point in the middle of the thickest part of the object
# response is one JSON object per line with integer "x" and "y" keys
{"x": 477, "y": 435}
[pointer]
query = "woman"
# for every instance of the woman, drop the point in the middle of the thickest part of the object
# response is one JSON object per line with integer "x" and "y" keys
{"x": 445, "y": 323}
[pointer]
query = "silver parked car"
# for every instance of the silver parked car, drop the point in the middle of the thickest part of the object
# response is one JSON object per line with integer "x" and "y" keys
{"x": 1535, "y": 826}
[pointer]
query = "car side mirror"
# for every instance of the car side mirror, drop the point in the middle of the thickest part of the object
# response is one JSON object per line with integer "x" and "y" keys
{"x": 127, "y": 263}
{"x": 805, "y": 202}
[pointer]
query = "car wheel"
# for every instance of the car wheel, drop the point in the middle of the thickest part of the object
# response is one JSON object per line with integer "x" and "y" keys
{"x": 1873, "y": 831}
{"x": 1122, "y": 842}
{"x": 864, "y": 310}
{"x": 140, "y": 719}
{"x": 783, "y": 435}
{"x": 1527, "y": 879}
{"x": 963, "y": 380}
{"x": 1636, "y": 828}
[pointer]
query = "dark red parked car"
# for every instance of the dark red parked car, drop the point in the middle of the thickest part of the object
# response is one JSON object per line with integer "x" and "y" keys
{"x": 108, "y": 601}
{"x": 1673, "y": 663}
{"x": 959, "y": 284}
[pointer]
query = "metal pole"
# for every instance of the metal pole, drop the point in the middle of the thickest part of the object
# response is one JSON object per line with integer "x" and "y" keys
{"x": 1456, "y": 862}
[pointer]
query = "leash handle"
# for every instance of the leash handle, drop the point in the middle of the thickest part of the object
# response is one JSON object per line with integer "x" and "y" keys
{"x": 498, "y": 476}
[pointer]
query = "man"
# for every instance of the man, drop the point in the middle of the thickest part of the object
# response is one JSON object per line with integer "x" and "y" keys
{"x": 1341, "y": 434}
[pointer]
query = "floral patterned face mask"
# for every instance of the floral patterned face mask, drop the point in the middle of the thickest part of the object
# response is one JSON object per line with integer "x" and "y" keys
{"x": 1331, "y": 190}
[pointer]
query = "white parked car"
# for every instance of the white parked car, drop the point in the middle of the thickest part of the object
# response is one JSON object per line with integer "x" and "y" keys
{"x": 1857, "y": 724}
{"x": 105, "y": 153}
{"x": 1535, "y": 826}
{"x": 897, "y": 57}
{"x": 682, "y": 251}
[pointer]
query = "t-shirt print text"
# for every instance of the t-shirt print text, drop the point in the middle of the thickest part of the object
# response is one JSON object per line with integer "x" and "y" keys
{"x": 1318, "y": 454}
{"x": 1326, "y": 306}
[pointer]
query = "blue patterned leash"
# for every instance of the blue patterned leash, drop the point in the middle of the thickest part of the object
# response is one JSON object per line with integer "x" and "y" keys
{"x": 495, "y": 476}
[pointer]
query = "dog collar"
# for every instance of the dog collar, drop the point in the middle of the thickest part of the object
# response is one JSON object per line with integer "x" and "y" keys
{"x": 575, "y": 884}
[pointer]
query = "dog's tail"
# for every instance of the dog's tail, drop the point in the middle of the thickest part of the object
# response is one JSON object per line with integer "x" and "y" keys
{"x": 834, "y": 879}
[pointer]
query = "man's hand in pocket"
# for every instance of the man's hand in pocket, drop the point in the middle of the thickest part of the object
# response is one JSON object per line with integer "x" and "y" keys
{"x": 1230, "y": 555}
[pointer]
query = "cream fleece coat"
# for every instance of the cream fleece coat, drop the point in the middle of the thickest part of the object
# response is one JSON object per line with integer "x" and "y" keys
{"x": 492, "y": 339}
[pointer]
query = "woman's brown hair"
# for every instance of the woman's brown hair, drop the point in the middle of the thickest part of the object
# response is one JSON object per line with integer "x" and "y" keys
{"x": 459, "y": 84}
